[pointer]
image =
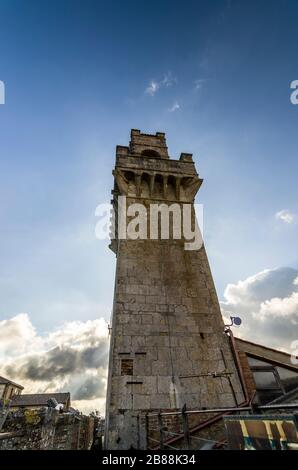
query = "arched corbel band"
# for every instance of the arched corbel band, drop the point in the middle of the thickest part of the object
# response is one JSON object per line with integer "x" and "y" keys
{"x": 189, "y": 185}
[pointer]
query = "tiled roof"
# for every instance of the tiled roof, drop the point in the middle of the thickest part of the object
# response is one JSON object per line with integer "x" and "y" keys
{"x": 39, "y": 399}
{"x": 3, "y": 380}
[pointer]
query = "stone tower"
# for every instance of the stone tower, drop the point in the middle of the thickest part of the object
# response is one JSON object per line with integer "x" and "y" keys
{"x": 167, "y": 347}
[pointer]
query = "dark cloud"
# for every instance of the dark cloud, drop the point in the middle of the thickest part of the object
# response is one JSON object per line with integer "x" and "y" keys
{"x": 71, "y": 358}
{"x": 60, "y": 361}
{"x": 93, "y": 387}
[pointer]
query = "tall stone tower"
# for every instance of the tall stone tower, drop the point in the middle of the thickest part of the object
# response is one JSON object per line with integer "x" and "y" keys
{"x": 167, "y": 347}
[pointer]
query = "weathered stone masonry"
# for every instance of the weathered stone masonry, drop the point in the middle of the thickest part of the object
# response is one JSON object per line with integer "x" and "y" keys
{"x": 45, "y": 429}
{"x": 167, "y": 329}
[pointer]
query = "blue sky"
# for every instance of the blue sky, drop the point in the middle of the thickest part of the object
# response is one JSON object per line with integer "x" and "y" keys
{"x": 76, "y": 75}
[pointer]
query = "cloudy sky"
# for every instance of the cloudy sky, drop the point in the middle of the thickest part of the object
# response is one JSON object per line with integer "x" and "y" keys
{"x": 215, "y": 76}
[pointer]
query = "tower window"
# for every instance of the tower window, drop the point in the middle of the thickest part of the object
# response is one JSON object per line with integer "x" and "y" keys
{"x": 127, "y": 367}
{"x": 150, "y": 153}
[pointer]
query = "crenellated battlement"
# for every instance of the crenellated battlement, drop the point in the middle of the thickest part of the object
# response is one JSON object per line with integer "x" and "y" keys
{"x": 144, "y": 170}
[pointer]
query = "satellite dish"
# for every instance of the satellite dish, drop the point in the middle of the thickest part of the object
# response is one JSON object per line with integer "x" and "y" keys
{"x": 236, "y": 321}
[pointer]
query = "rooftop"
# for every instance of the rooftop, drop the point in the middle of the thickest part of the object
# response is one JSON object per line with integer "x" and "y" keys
{"x": 39, "y": 399}
{"x": 265, "y": 352}
{"x": 3, "y": 380}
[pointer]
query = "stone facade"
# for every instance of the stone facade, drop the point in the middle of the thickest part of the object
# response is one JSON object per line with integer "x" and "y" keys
{"x": 167, "y": 343}
{"x": 45, "y": 429}
{"x": 29, "y": 430}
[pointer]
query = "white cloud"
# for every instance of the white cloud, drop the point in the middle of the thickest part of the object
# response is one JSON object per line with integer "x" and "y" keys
{"x": 286, "y": 216}
{"x": 154, "y": 85}
{"x": 174, "y": 107}
{"x": 17, "y": 335}
{"x": 199, "y": 83}
{"x": 168, "y": 80}
{"x": 277, "y": 307}
{"x": 70, "y": 358}
{"x": 87, "y": 406}
{"x": 267, "y": 302}
{"x": 152, "y": 88}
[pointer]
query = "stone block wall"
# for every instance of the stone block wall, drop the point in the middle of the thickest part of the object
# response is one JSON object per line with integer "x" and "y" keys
{"x": 33, "y": 429}
{"x": 46, "y": 429}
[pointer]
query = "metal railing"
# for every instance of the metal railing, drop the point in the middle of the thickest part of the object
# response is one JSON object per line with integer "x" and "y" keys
{"x": 159, "y": 436}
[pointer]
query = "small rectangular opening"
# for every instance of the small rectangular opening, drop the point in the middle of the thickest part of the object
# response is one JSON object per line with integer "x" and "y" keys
{"x": 126, "y": 367}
